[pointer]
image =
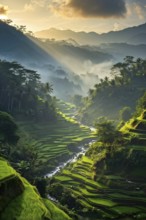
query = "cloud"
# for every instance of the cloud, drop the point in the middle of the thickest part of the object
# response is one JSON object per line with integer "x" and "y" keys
{"x": 28, "y": 7}
{"x": 90, "y": 8}
{"x": 138, "y": 7}
{"x": 39, "y": 3}
{"x": 3, "y": 10}
{"x": 35, "y": 4}
{"x": 139, "y": 11}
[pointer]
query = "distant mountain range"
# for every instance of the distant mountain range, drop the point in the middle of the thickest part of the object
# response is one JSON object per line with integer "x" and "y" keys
{"x": 132, "y": 35}
{"x": 97, "y": 48}
{"x": 75, "y": 61}
{"x": 14, "y": 45}
{"x": 30, "y": 52}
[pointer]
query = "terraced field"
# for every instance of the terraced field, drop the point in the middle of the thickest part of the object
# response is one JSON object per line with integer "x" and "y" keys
{"x": 116, "y": 191}
{"x": 112, "y": 197}
{"x": 57, "y": 141}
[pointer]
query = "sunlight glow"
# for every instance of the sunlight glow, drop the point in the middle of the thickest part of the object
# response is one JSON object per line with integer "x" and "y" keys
{"x": 3, "y": 17}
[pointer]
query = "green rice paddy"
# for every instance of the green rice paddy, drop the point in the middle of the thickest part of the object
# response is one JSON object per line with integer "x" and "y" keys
{"x": 111, "y": 195}
{"x": 57, "y": 141}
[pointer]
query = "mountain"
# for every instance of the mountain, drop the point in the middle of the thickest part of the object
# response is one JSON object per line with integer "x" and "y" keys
{"x": 29, "y": 51}
{"x": 66, "y": 63}
{"x": 138, "y": 39}
{"x": 121, "y": 50}
{"x": 122, "y": 36}
{"x": 70, "y": 53}
{"x": 14, "y": 45}
{"x": 79, "y": 37}
{"x": 60, "y": 63}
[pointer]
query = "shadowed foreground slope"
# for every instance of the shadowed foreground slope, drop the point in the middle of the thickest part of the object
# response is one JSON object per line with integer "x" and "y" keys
{"x": 20, "y": 200}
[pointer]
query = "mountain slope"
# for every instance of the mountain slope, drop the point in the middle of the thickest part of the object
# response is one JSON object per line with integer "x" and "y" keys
{"x": 111, "y": 95}
{"x": 138, "y": 39}
{"x": 14, "y": 45}
{"x": 122, "y": 36}
{"x": 121, "y": 50}
{"x": 80, "y": 37}
{"x": 20, "y": 200}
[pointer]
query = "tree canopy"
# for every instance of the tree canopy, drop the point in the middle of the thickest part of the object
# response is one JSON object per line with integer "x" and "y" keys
{"x": 123, "y": 87}
{"x": 107, "y": 132}
{"x": 22, "y": 92}
{"x": 8, "y": 129}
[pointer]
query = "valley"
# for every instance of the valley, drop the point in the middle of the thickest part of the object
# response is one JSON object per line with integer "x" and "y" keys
{"x": 56, "y": 142}
{"x": 101, "y": 185}
{"x": 73, "y": 115}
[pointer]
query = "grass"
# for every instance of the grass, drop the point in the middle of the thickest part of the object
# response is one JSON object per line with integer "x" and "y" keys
{"x": 110, "y": 201}
{"x": 104, "y": 202}
{"x": 28, "y": 205}
{"x": 52, "y": 140}
{"x": 110, "y": 195}
{"x": 6, "y": 171}
{"x": 55, "y": 212}
{"x": 126, "y": 210}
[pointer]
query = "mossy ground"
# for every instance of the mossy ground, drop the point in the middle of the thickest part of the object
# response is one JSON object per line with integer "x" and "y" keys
{"x": 28, "y": 205}
{"x": 6, "y": 171}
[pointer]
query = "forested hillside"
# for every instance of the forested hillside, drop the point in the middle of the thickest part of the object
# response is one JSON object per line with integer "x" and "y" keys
{"x": 15, "y": 45}
{"x": 107, "y": 182}
{"x": 121, "y": 90}
{"x": 66, "y": 154}
{"x": 34, "y": 141}
{"x": 23, "y": 94}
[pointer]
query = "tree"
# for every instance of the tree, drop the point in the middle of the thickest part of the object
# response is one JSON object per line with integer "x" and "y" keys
{"x": 8, "y": 136}
{"x": 8, "y": 129}
{"x": 125, "y": 113}
{"x": 41, "y": 184}
{"x": 141, "y": 104}
{"x": 77, "y": 100}
{"x": 107, "y": 132}
{"x": 23, "y": 94}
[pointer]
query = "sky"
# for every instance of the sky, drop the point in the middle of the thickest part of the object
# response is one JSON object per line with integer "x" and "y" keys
{"x": 79, "y": 15}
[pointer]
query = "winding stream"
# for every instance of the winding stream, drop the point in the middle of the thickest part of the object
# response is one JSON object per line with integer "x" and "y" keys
{"x": 82, "y": 151}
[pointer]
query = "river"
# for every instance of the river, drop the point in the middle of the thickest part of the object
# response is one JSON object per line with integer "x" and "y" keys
{"x": 82, "y": 151}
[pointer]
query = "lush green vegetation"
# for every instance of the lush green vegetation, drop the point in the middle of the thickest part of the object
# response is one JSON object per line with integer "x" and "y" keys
{"x": 42, "y": 146}
{"x": 8, "y": 134}
{"x": 43, "y": 136}
{"x": 107, "y": 132}
{"x": 123, "y": 88}
{"x": 46, "y": 136}
{"x": 109, "y": 181}
{"x": 20, "y": 200}
{"x": 22, "y": 94}
{"x": 53, "y": 143}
